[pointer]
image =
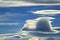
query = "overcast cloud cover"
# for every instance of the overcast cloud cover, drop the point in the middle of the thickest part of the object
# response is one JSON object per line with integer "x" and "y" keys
{"x": 10, "y": 3}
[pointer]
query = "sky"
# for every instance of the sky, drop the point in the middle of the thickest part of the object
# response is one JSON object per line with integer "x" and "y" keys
{"x": 13, "y": 14}
{"x": 12, "y": 19}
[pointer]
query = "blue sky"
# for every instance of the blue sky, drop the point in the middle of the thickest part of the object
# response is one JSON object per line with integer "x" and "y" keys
{"x": 13, "y": 18}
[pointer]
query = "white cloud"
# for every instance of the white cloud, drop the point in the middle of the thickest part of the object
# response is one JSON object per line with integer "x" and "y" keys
{"x": 37, "y": 1}
{"x": 46, "y": 12}
{"x": 31, "y": 24}
{"x": 15, "y": 3}
{"x": 8, "y": 35}
{"x": 35, "y": 25}
{"x": 9, "y": 23}
{"x": 21, "y": 3}
{"x": 35, "y": 38}
{"x": 56, "y": 27}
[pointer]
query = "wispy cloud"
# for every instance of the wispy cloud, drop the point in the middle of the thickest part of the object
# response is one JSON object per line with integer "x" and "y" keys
{"x": 8, "y": 36}
{"x": 37, "y": 1}
{"x": 9, "y": 23}
{"x": 46, "y": 12}
{"x": 15, "y": 3}
{"x": 9, "y": 16}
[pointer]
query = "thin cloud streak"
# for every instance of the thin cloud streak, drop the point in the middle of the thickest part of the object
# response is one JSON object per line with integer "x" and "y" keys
{"x": 46, "y": 12}
{"x": 16, "y": 3}
{"x": 22, "y": 3}
{"x": 9, "y": 23}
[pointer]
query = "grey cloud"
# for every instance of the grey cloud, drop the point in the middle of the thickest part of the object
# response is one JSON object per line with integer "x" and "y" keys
{"x": 15, "y": 3}
{"x": 38, "y": 1}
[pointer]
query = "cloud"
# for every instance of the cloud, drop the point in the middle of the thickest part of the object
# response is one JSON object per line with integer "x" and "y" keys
{"x": 11, "y": 17}
{"x": 41, "y": 24}
{"x": 32, "y": 24}
{"x": 8, "y": 17}
{"x": 8, "y": 36}
{"x": 35, "y": 38}
{"x": 46, "y": 12}
{"x": 9, "y": 23}
{"x": 37, "y": 1}
{"x": 15, "y": 3}
{"x": 8, "y": 14}
{"x": 56, "y": 27}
